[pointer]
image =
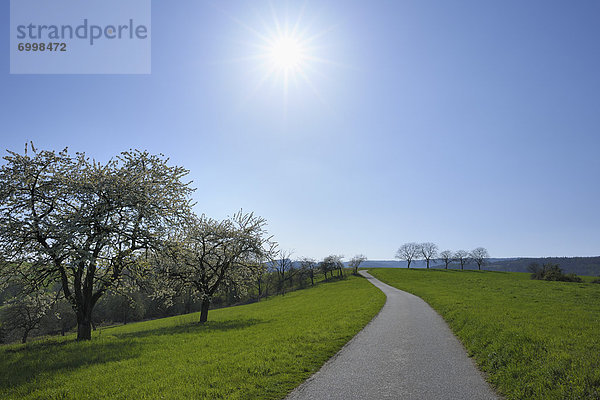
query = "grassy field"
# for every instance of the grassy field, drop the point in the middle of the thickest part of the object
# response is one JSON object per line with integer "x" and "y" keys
{"x": 256, "y": 351}
{"x": 535, "y": 339}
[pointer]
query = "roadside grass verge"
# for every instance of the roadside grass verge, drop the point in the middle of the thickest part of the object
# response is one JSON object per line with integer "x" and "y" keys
{"x": 534, "y": 339}
{"x": 256, "y": 351}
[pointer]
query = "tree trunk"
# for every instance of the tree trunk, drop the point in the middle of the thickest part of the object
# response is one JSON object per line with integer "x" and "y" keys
{"x": 428, "y": 263}
{"x": 204, "y": 310}
{"x": 25, "y": 335}
{"x": 84, "y": 326}
{"x": 408, "y": 264}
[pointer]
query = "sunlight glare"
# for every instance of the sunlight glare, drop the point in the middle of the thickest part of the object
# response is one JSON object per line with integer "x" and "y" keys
{"x": 286, "y": 53}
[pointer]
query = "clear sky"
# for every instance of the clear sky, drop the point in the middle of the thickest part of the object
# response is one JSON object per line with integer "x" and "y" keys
{"x": 464, "y": 123}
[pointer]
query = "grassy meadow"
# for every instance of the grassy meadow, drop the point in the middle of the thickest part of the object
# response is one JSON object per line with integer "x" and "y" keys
{"x": 256, "y": 351}
{"x": 534, "y": 339}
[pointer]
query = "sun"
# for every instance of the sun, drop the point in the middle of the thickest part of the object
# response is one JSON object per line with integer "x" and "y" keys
{"x": 286, "y": 53}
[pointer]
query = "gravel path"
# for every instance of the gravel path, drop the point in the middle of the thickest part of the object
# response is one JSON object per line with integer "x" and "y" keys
{"x": 406, "y": 352}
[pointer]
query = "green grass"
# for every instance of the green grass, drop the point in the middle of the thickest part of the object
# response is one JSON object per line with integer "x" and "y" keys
{"x": 255, "y": 351}
{"x": 534, "y": 339}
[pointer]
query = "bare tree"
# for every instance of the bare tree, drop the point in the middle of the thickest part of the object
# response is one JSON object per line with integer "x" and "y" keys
{"x": 480, "y": 256}
{"x": 261, "y": 275}
{"x": 82, "y": 223}
{"x": 309, "y": 265}
{"x": 447, "y": 256}
{"x": 284, "y": 268}
{"x": 428, "y": 251}
{"x": 338, "y": 264}
{"x": 294, "y": 274}
{"x": 408, "y": 252}
{"x": 356, "y": 261}
{"x": 462, "y": 257}
{"x": 211, "y": 255}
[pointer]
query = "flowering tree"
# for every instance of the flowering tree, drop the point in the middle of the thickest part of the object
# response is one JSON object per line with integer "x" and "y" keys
{"x": 24, "y": 313}
{"x": 208, "y": 255}
{"x": 309, "y": 266}
{"x": 83, "y": 223}
{"x": 356, "y": 261}
{"x": 332, "y": 263}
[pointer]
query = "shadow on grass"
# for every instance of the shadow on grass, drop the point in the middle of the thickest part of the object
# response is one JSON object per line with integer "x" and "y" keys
{"x": 187, "y": 326}
{"x": 335, "y": 279}
{"x": 38, "y": 362}
{"x": 26, "y": 364}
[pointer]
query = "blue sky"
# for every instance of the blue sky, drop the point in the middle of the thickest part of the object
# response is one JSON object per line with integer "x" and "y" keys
{"x": 464, "y": 123}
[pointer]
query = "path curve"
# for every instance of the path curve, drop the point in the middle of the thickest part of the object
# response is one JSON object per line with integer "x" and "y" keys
{"x": 406, "y": 352}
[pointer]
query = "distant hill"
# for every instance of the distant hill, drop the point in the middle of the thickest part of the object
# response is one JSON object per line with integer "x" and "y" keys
{"x": 579, "y": 265}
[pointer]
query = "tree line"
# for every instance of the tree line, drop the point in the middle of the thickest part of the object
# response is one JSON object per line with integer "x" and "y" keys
{"x": 428, "y": 252}
{"x": 119, "y": 240}
{"x": 46, "y": 312}
{"x": 77, "y": 230}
